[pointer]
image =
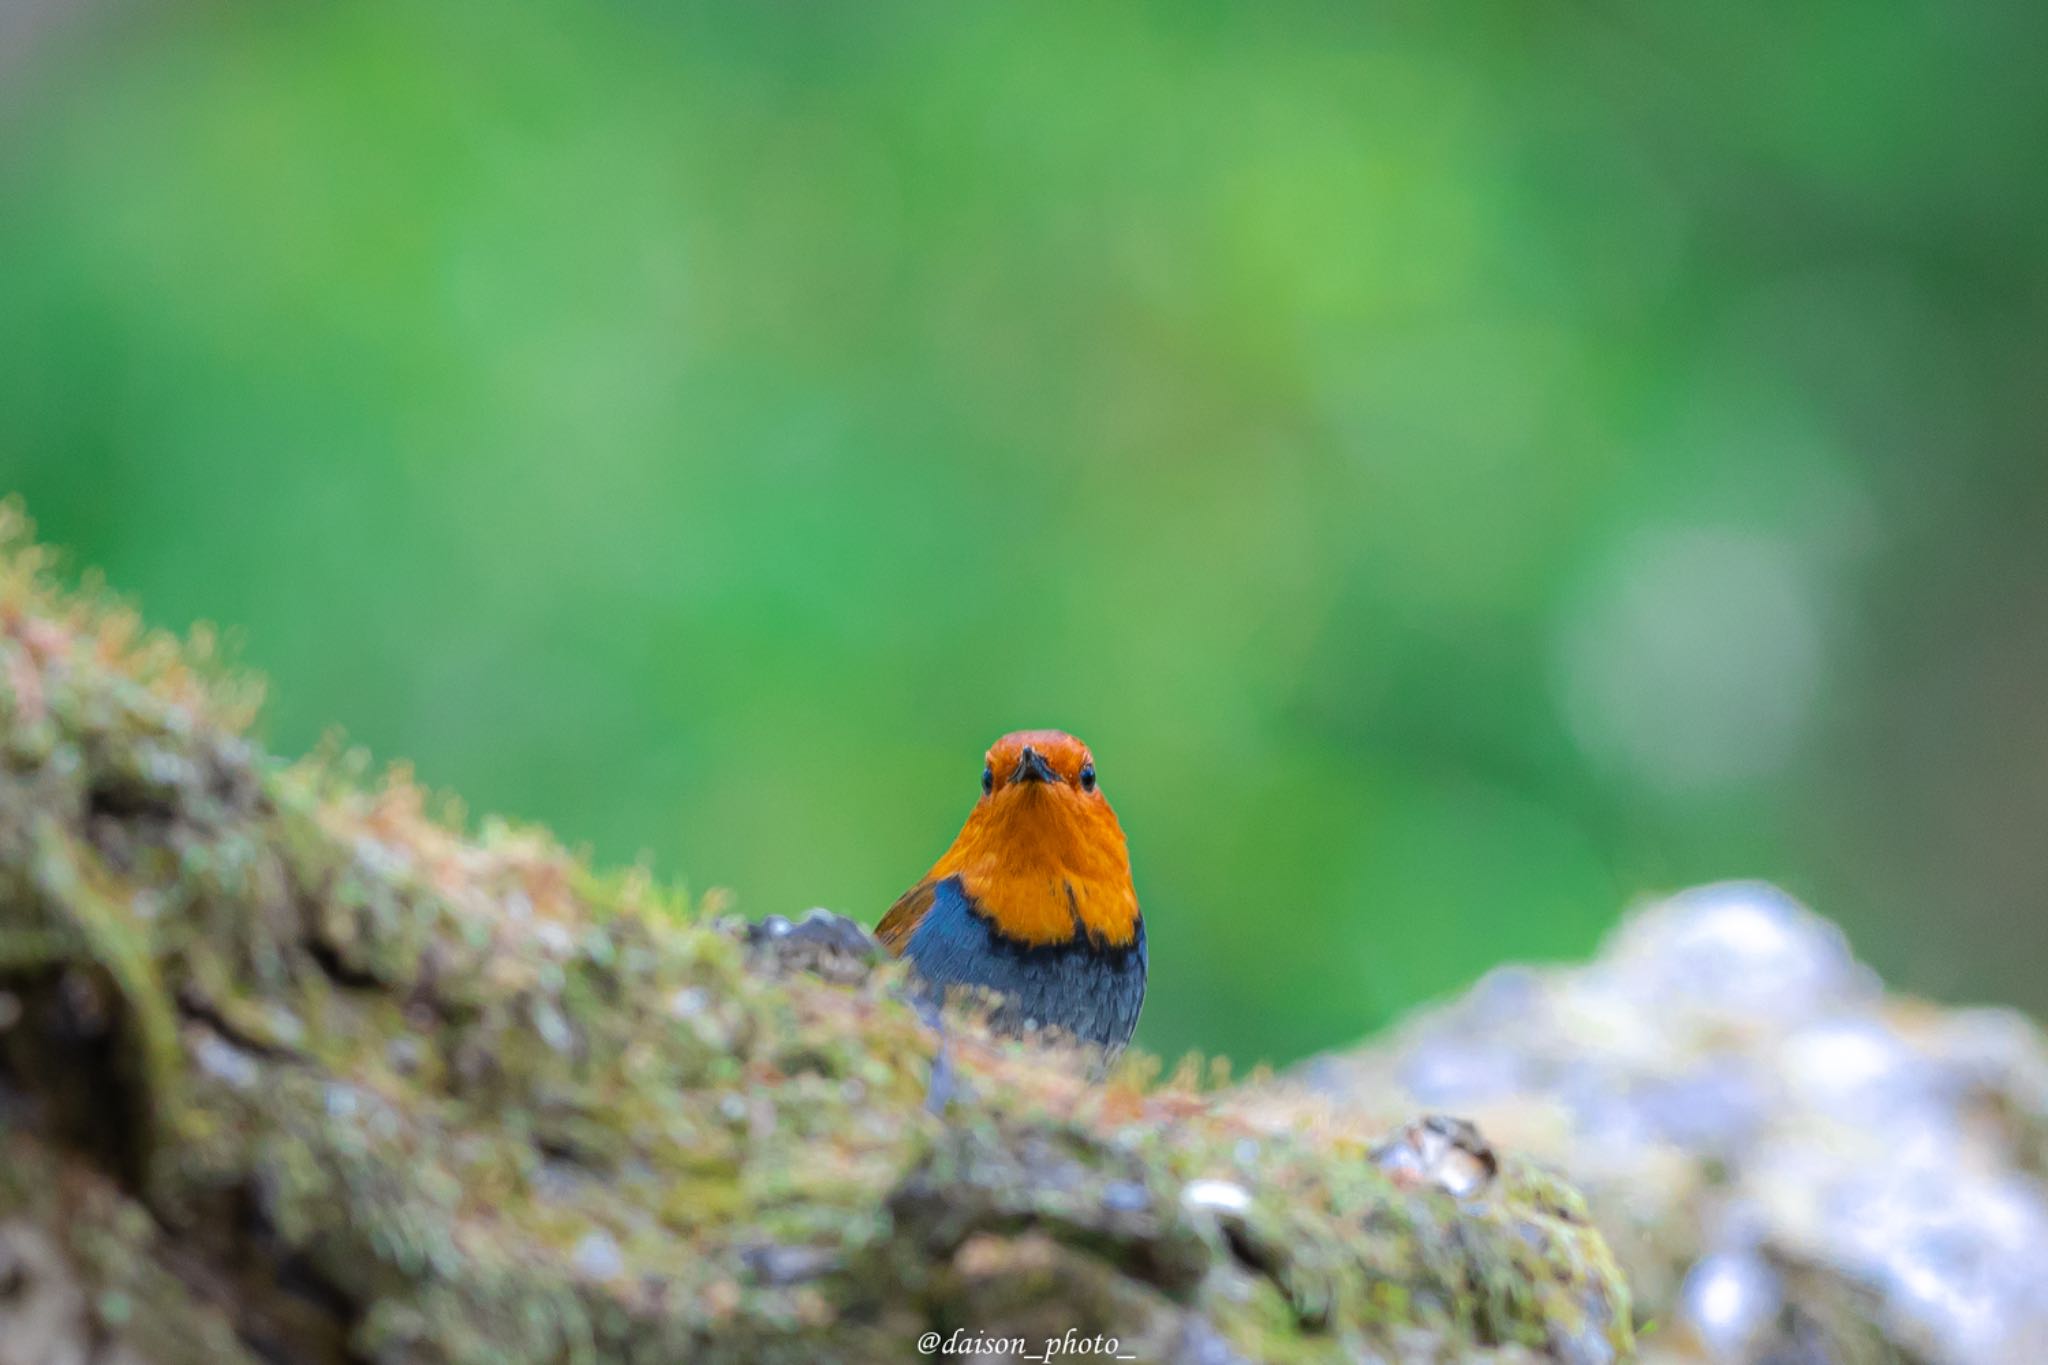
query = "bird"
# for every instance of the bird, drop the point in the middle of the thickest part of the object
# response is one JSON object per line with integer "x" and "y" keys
{"x": 1033, "y": 900}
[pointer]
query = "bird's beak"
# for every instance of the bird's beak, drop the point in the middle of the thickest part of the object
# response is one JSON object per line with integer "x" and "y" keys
{"x": 1032, "y": 767}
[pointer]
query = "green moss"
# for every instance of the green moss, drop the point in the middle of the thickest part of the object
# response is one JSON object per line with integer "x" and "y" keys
{"x": 460, "y": 1099}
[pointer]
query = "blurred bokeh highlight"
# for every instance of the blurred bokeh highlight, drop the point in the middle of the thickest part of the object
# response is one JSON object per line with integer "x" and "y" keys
{"x": 1461, "y": 472}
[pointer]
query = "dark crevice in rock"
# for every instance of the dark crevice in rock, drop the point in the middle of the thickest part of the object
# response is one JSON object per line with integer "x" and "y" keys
{"x": 1269, "y": 1262}
{"x": 127, "y": 802}
{"x": 196, "y": 1009}
{"x": 338, "y": 969}
{"x": 73, "y": 1072}
{"x": 281, "y": 1308}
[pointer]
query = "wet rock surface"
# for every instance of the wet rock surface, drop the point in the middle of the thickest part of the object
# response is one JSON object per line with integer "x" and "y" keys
{"x": 1792, "y": 1165}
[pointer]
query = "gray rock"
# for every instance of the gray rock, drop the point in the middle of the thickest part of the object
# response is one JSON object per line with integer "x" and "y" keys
{"x": 1791, "y": 1165}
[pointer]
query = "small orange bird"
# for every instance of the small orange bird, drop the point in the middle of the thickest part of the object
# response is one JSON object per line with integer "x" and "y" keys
{"x": 1034, "y": 899}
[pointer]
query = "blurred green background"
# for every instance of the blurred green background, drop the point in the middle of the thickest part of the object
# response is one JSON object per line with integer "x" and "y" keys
{"x": 1461, "y": 470}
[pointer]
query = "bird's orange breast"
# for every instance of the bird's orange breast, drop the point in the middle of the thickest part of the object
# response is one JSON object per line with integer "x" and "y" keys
{"x": 1044, "y": 876}
{"x": 1043, "y": 862}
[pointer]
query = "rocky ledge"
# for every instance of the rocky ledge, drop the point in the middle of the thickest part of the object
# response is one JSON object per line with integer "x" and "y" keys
{"x": 292, "y": 1070}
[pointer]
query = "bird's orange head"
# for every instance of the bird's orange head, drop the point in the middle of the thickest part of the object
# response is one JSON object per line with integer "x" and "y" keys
{"x": 1041, "y": 855}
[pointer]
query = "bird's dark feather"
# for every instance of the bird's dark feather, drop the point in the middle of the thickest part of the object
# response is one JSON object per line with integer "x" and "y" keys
{"x": 1091, "y": 991}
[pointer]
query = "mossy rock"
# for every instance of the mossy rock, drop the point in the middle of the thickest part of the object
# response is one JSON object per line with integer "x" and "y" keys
{"x": 291, "y": 1071}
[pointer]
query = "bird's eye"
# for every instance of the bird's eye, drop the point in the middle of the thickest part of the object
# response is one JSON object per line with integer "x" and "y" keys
{"x": 1087, "y": 777}
{"x": 988, "y": 779}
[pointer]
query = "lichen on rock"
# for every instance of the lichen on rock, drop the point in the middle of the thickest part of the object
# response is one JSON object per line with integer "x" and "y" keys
{"x": 292, "y": 1071}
